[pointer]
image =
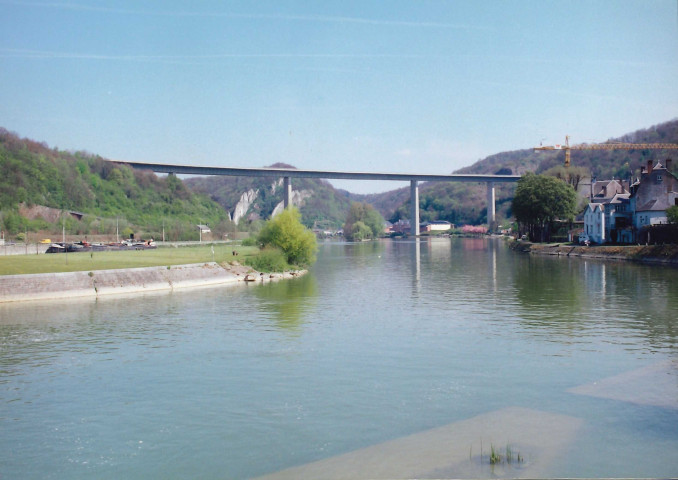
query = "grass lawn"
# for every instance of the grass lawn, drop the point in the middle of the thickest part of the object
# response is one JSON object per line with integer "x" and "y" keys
{"x": 88, "y": 261}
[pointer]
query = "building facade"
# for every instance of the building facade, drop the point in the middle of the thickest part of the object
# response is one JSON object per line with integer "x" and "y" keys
{"x": 616, "y": 215}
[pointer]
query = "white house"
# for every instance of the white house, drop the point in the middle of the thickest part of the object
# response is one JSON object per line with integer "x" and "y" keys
{"x": 594, "y": 222}
{"x": 435, "y": 226}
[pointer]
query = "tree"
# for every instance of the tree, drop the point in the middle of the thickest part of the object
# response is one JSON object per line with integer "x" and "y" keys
{"x": 672, "y": 214}
{"x": 570, "y": 175}
{"x": 286, "y": 232}
{"x": 362, "y": 215}
{"x": 539, "y": 201}
{"x": 360, "y": 231}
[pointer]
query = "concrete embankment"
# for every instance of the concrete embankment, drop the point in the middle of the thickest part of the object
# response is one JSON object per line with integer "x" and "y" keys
{"x": 15, "y": 288}
{"x": 661, "y": 254}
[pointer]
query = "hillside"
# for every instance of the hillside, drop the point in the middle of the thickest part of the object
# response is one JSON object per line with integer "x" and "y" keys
{"x": 251, "y": 199}
{"x": 465, "y": 203}
{"x": 601, "y": 163}
{"x": 109, "y": 195}
{"x": 32, "y": 174}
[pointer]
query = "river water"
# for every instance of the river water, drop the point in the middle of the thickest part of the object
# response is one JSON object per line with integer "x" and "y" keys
{"x": 379, "y": 342}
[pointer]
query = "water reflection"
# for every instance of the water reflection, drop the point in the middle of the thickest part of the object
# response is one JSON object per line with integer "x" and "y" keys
{"x": 492, "y": 263}
{"x": 417, "y": 266}
{"x": 416, "y": 334}
{"x": 574, "y": 298}
{"x": 288, "y": 302}
{"x": 39, "y": 333}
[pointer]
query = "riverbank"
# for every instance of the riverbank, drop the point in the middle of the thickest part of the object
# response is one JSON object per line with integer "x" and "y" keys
{"x": 656, "y": 254}
{"x": 97, "y": 283}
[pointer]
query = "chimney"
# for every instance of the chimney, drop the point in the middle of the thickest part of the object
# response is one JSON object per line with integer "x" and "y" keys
{"x": 649, "y": 166}
{"x": 668, "y": 165}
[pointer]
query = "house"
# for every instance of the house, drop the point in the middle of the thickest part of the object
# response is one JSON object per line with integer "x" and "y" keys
{"x": 618, "y": 221}
{"x": 594, "y": 222}
{"x": 602, "y": 191}
{"x": 435, "y": 226}
{"x": 607, "y": 210}
{"x": 617, "y": 215}
{"x": 655, "y": 191}
{"x": 401, "y": 226}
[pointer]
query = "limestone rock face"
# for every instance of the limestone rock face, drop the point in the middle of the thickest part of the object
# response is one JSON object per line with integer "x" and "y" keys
{"x": 298, "y": 197}
{"x": 246, "y": 200}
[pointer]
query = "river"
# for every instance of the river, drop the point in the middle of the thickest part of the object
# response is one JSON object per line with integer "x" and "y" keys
{"x": 386, "y": 352}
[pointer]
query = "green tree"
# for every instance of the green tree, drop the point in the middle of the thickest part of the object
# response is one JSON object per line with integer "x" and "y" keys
{"x": 286, "y": 232}
{"x": 672, "y": 214}
{"x": 360, "y": 231}
{"x": 539, "y": 201}
{"x": 364, "y": 220}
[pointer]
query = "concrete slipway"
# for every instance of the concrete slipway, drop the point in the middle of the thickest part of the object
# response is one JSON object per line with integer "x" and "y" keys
{"x": 16, "y": 288}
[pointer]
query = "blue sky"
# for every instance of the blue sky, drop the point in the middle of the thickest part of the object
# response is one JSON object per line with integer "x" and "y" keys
{"x": 376, "y": 86}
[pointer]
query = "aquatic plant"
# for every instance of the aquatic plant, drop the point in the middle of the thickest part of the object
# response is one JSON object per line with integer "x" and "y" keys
{"x": 509, "y": 457}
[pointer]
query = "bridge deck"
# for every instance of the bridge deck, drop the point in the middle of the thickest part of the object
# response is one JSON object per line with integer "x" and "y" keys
{"x": 291, "y": 172}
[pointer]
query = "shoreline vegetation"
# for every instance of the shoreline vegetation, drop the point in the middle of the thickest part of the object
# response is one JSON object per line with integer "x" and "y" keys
{"x": 650, "y": 254}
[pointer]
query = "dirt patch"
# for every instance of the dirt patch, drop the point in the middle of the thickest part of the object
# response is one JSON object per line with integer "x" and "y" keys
{"x": 454, "y": 451}
{"x": 655, "y": 385}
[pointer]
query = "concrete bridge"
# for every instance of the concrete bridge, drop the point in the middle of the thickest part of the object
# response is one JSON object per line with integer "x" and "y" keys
{"x": 288, "y": 173}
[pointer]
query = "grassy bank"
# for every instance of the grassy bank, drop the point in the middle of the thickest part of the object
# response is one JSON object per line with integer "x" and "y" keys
{"x": 87, "y": 261}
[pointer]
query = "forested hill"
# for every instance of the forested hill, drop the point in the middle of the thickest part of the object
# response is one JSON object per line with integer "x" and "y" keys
{"x": 31, "y": 173}
{"x": 601, "y": 163}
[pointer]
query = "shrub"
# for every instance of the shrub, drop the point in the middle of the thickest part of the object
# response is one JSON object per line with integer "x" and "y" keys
{"x": 286, "y": 232}
{"x": 474, "y": 229}
{"x": 270, "y": 259}
{"x": 363, "y": 222}
{"x": 672, "y": 214}
{"x": 361, "y": 232}
{"x": 249, "y": 242}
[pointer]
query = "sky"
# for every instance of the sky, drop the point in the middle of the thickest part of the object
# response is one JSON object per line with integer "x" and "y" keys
{"x": 372, "y": 86}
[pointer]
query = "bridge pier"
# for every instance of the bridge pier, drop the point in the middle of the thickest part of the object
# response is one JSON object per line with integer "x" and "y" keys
{"x": 491, "y": 212}
{"x": 414, "y": 213}
{"x": 287, "y": 192}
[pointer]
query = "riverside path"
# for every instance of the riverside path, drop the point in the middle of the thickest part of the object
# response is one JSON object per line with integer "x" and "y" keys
{"x": 288, "y": 173}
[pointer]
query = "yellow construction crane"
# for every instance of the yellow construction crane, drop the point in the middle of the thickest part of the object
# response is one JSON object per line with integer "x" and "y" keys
{"x": 605, "y": 146}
